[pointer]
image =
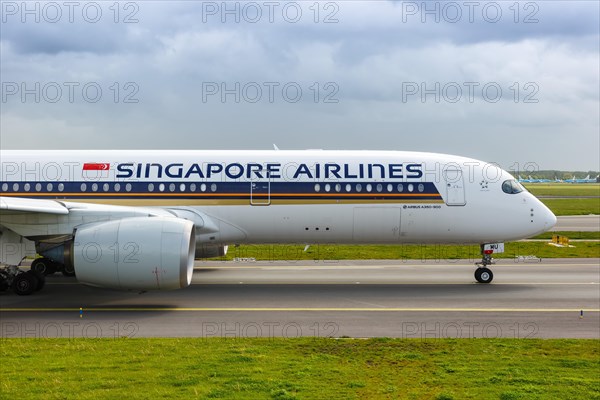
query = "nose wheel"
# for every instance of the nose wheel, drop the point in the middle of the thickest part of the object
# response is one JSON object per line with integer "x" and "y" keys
{"x": 484, "y": 275}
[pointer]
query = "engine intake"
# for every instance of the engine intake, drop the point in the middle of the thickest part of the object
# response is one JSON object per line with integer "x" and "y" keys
{"x": 153, "y": 253}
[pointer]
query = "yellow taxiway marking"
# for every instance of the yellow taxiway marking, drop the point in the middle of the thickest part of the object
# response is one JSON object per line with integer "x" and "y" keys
{"x": 288, "y": 309}
{"x": 363, "y": 283}
{"x": 333, "y": 265}
{"x": 399, "y": 282}
{"x": 390, "y": 283}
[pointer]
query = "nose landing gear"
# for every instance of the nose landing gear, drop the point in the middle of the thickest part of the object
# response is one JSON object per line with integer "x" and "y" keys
{"x": 483, "y": 274}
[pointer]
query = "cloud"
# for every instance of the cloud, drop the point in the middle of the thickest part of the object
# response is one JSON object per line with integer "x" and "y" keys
{"x": 368, "y": 63}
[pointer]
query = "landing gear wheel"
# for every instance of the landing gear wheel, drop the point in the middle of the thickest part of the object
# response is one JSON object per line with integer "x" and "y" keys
{"x": 68, "y": 271}
{"x": 5, "y": 279}
{"x": 42, "y": 265}
{"x": 25, "y": 283}
{"x": 484, "y": 275}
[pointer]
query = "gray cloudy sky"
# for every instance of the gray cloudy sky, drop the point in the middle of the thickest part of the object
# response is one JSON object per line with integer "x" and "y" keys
{"x": 514, "y": 83}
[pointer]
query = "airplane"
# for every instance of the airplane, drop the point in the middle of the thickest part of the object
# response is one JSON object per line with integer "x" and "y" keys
{"x": 523, "y": 180}
{"x": 533, "y": 180}
{"x": 137, "y": 220}
{"x": 587, "y": 179}
{"x": 539, "y": 180}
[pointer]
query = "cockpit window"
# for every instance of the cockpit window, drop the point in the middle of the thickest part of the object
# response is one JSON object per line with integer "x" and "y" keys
{"x": 512, "y": 187}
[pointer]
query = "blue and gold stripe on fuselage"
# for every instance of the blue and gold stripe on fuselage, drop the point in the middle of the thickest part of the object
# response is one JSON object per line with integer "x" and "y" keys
{"x": 226, "y": 193}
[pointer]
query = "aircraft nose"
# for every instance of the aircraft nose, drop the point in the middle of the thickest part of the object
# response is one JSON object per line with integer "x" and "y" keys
{"x": 541, "y": 216}
{"x": 549, "y": 218}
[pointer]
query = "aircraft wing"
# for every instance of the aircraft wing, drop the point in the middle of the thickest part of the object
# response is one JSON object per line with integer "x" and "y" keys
{"x": 8, "y": 205}
{"x": 122, "y": 247}
{"x": 44, "y": 217}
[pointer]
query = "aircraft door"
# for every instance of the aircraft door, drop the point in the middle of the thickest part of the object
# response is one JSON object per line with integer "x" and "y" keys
{"x": 260, "y": 193}
{"x": 455, "y": 187}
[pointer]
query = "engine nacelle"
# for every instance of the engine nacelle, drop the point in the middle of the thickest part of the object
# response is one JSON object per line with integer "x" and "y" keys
{"x": 153, "y": 253}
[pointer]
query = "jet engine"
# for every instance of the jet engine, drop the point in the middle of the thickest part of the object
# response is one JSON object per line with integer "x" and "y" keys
{"x": 140, "y": 253}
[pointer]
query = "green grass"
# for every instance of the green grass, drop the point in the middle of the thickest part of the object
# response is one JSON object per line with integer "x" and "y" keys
{"x": 563, "y": 189}
{"x": 408, "y": 252}
{"x": 304, "y": 368}
{"x": 573, "y": 206}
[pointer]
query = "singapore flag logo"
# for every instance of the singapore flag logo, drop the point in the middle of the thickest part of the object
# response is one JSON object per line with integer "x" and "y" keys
{"x": 96, "y": 166}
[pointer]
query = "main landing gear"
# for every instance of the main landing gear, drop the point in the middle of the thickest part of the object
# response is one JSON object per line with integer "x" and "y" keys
{"x": 483, "y": 274}
{"x": 21, "y": 282}
{"x": 25, "y": 283}
{"x": 46, "y": 266}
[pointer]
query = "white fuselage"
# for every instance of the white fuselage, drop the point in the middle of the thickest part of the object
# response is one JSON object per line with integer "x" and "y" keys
{"x": 309, "y": 196}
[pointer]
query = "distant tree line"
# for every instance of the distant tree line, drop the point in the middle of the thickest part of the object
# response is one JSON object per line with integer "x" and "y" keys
{"x": 555, "y": 174}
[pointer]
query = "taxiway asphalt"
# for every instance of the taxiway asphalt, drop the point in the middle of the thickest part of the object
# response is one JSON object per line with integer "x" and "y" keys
{"x": 411, "y": 299}
{"x": 577, "y": 223}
